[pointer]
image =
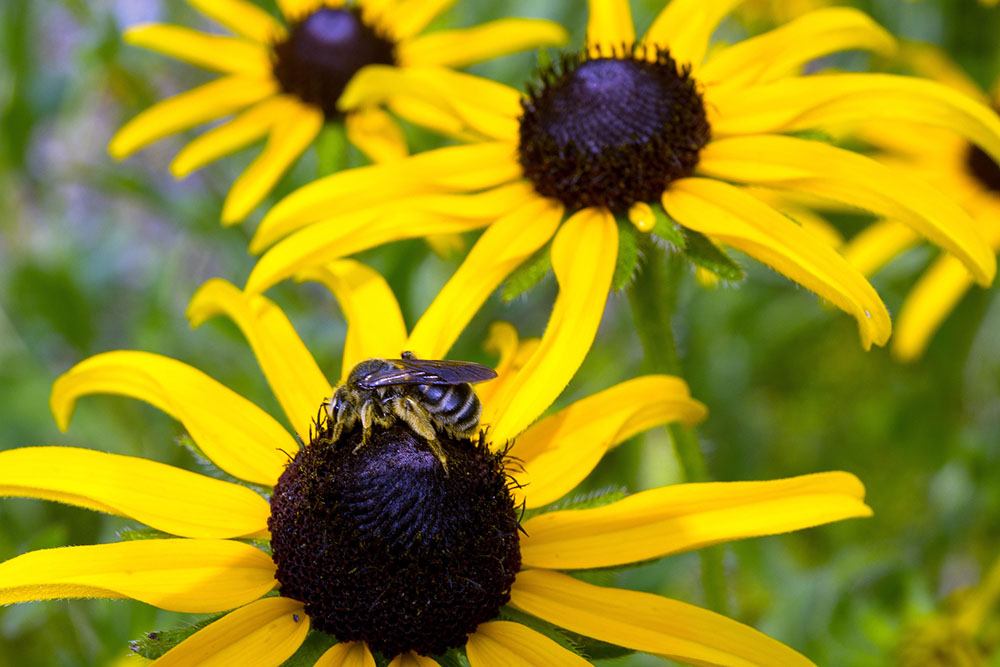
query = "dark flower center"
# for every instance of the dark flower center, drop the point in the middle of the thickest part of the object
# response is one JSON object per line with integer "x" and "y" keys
{"x": 324, "y": 50}
{"x": 611, "y": 131}
{"x": 382, "y": 544}
{"x": 983, "y": 168}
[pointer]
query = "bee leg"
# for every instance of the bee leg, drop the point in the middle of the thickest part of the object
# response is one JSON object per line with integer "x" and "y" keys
{"x": 417, "y": 418}
{"x": 367, "y": 419}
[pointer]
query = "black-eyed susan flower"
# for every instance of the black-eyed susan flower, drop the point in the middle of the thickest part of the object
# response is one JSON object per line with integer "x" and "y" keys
{"x": 378, "y": 547}
{"x": 952, "y": 165}
{"x": 636, "y": 128}
{"x": 284, "y": 79}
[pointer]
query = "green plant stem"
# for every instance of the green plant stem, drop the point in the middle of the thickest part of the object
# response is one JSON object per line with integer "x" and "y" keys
{"x": 653, "y": 297}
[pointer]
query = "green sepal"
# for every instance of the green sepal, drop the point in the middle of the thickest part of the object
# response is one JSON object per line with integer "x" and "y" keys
{"x": 154, "y": 644}
{"x": 667, "y": 228}
{"x": 586, "y": 501}
{"x": 331, "y": 149}
{"x": 132, "y": 534}
{"x": 454, "y": 658}
{"x": 814, "y": 135}
{"x": 628, "y": 255}
{"x": 529, "y": 274}
{"x": 702, "y": 252}
{"x": 316, "y": 644}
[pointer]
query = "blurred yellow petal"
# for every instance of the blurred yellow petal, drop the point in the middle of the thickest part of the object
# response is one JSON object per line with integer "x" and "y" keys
{"x": 194, "y": 576}
{"x": 820, "y": 169}
{"x": 504, "y": 246}
{"x": 684, "y": 517}
{"x": 251, "y": 125}
{"x": 561, "y": 450}
{"x": 375, "y": 326}
{"x": 242, "y": 18}
{"x": 412, "y": 660}
{"x": 873, "y": 247}
{"x": 458, "y": 48}
{"x": 430, "y": 116}
{"x": 738, "y": 219}
{"x": 786, "y": 49}
{"x": 507, "y": 644}
{"x": 609, "y": 27}
{"x": 347, "y": 654}
{"x": 933, "y": 62}
{"x": 502, "y": 340}
{"x": 212, "y": 100}
{"x": 685, "y": 26}
{"x": 295, "y": 378}
{"x": 295, "y": 10}
{"x": 648, "y": 623}
{"x": 584, "y": 253}
{"x": 289, "y": 139}
{"x": 234, "y": 55}
{"x": 163, "y": 497}
{"x": 801, "y": 213}
{"x": 410, "y": 17}
{"x": 471, "y": 167}
{"x": 264, "y": 633}
{"x": 376, "y": 134}
{"x": 234, "y": 433}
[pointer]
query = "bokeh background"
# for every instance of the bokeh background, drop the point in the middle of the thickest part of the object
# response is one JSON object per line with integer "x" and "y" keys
{"x": 96, "y": 255}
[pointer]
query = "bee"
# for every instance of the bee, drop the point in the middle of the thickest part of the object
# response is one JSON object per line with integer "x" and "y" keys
{"x": 430, "y": 397}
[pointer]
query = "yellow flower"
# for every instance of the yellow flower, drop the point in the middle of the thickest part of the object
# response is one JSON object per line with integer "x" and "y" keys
{"x": 621, "y": 130}
{"x": 372, "y": 501}
{"x": 285, "y": 82}
{"x": 953, "y": 166}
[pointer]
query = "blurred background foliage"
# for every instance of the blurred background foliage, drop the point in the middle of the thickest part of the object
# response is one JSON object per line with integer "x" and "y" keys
{"x": 96, "y": 256}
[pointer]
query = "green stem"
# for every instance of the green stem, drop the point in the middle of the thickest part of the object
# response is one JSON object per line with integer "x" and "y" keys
{"x": 653, "y": 297}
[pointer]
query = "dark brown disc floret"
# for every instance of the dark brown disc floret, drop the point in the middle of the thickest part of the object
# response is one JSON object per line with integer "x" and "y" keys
{"x": 983, "y": 168}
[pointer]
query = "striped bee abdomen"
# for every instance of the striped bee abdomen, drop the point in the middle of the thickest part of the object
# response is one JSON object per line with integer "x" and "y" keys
{"x": 454, "y": 406}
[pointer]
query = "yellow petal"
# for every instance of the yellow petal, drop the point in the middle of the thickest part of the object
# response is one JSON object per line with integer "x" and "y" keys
{"x": 234, "y": 433}
{"x": 504, "y": 246}
{"x": 647, "y": 622}
{"x": 212, "y": 100}
{"x": 738, "y": 219}
{"x": 430, "y": 116}
{"x": 474, "y": 167}
{"x": 873, "y": 247}
{"x": 506, "y": 644}
{"x": 375, "y": 326}
{"x": 583, "y": 258}
{"x": 412, "y": 660}
{"x": 503, "y": 341}
{"x": 290, "y": 369}
{"x": 296, "y": 10}
{"x": 234, "y": 55}
{"x": 609, "y": 27}
{"x": 242, "y": 18}
{"x": 163, "y": 497}
{"x": 290, "y": 137}
{"x": 265, "y": 633}
{"x": 458, "y": 48}
{"x": 684, "y": 517}
{"x": 194, "y": 576}
{"x": 934, "y": 63}
{"x": 820, "y": 169}
{"x": 376, "y": 134}
{"x": 685, "y": 26}
{"x": 251, "y": 125}
{"x": 836, "y": 100}
{"x": 560, "y": 451}
{"x": 347, "y": 654}
{"x": 786, "y": 49}
{"x": 411, "y": 16}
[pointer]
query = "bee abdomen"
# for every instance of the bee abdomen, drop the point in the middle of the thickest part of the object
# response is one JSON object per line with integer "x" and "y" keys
{"x": 454, "y": 406}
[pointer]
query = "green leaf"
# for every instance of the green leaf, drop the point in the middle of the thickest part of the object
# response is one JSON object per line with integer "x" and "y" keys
{"x": 316, "y": 644}
{"x": 529, "y": 274}
{"x": 331, "y": 149}
{"x": 597, "y": 498}
{"x": 702, "y": 252}
{"x": 154, "y": 644}
{"x": 666, "y": 227}
{"x": 628, "y": 255}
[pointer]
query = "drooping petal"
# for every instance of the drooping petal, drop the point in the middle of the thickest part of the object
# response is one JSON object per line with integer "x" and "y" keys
{"x": 647, "y": 622}
{"x": 234, "y": 55}
{"x": 583, "y": 258}
{"x": 163, "y": 497}
{"x": 872, "y": 248}
{"x": 412, "y": 660}
{"x": 738, "y": 219}
{"x": 784, "y": 50}
{"x": 347, "y": 654}
{"x": 246, "y": 128}
{"x": 502, "y": 340}
{"x": 376, "y": 134}
{"x": 410, "y": 17}
{"x": 242, "y": 18}
{"x": 458, "y": 48}
{"x": 375, "y": 326}
{"x": 609, "y": 27}
{"x": 234, "y": 433}
{"x": 289, "y": 139}
{"x": 295, "y": 378}
{"x": 264, "y": 633}
{"x": 685, "y": 26}
{"x": 212, "y": 100}
{"x": 684, "y": 517}
{"x": 558, "y": 452}
{"x": 820, "y": 169}
{"x": 507, "y": 644}
{"x": 473, "y": 167}
{"x": 194, "y": 576}
{"x": 506, "y": 244}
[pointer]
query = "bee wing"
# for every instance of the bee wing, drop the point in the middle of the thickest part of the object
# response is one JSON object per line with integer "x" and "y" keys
{"x": 430, "y": 371}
